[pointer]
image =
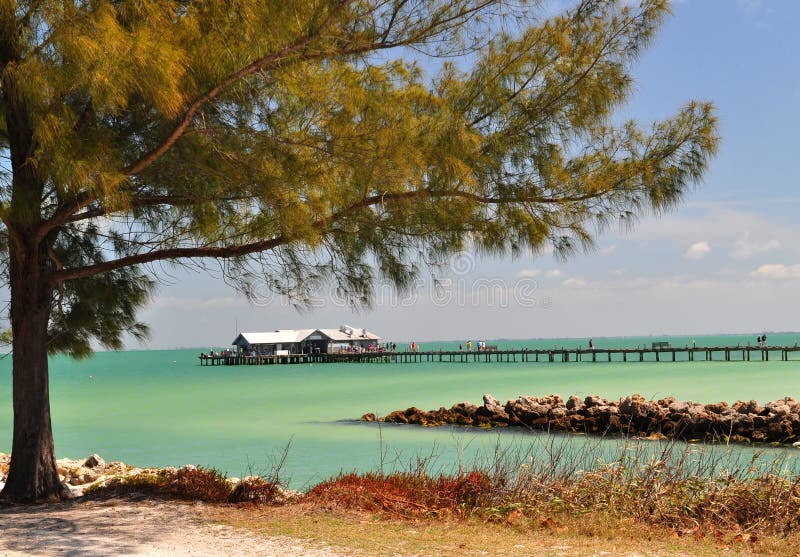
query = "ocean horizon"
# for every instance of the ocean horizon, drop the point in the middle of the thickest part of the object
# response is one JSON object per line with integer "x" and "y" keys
{"x": 665, "y": 336}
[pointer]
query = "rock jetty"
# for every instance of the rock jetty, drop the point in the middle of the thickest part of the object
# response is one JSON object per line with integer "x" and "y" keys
{"x": 741, "y": 422}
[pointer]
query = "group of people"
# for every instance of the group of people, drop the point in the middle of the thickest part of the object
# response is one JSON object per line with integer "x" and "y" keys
{"x": 214, "y": 354}
{"x": 762, "y": 341}
{"x": 371, "y": 347}
{"x": 480, "y": 345}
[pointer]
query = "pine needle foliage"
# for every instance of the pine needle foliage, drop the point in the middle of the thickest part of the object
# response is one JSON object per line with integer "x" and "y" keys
{"x": 302, "y": 139}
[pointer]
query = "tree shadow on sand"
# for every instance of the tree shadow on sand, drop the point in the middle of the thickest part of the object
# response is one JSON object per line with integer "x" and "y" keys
{"x": 86, "y": 529}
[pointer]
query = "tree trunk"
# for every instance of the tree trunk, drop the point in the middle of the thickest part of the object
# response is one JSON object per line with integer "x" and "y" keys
{"x": 33, "y": 475}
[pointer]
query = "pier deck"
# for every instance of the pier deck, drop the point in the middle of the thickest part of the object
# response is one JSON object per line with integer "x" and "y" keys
{"x": 705, "y": 353}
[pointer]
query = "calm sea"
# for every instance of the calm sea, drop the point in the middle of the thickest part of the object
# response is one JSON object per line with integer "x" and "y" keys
{"x": 158, "y": 408}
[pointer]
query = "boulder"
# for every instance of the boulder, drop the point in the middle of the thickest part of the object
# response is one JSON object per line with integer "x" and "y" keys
{"x": 416, "y": 416}
{"x": 637, "y": 406}
{"x": 82, "y": 475}
{"x": 397, "y": 417}
{"x": 529, "y": 409}
{"x": 493, "y": 410}
{"x": 490, "y": 403}
{"x": 464, "y": 408}
{"x": 697, "y": 411}
{"x": 592, "y": 400}
{"x": 717, "y": 407}
{"x": 678, "y": 407}
{"x": 574, "y": 403}
{"x": 64, "y": 465}
{"x": 118, "y": 468}
{"x": 94, "y": 461}
{"x": 495, "y": 414}
{"x": 783, "y": 410}
{"x": 368, "y": 417}
{"x": 665, "y": 402}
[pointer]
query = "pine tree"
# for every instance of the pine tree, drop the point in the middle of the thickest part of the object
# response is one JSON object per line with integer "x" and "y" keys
{"x": 299, "y": 140}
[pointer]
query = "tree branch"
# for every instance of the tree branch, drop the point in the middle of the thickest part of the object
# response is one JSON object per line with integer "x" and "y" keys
{"x": 224, "y": 252}
{"x": 256, "y": 66}
{"x": 66, "y": 213}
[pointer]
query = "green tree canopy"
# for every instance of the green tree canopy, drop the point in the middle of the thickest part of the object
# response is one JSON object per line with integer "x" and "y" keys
{"x": 293, "y": 140}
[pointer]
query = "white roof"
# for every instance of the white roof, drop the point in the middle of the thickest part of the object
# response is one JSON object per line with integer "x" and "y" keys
{"x": 288, "y": 336}
{"x": 284, "y": 336}
{"x": 358, "y": 334}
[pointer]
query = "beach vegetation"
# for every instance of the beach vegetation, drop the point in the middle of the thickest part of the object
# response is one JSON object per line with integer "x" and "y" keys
{"x": 674, "y": 495}
{"x": 291, "y": 143}
{"x": 189, "y": 483}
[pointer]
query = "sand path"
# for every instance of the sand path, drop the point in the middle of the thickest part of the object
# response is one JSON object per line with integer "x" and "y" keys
{"x": 133, "y": 528}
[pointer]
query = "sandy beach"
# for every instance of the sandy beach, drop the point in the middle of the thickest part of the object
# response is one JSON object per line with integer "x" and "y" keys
{"x": 151, "y": 528}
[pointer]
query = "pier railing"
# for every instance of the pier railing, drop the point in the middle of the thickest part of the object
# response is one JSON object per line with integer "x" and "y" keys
{"x": 550, "y": 355}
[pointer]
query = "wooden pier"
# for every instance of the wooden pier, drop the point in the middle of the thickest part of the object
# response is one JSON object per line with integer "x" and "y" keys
{"x": 561, "y": 355}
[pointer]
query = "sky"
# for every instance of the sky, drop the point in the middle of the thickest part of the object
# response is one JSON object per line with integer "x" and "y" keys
{"x": 726, "y": 261}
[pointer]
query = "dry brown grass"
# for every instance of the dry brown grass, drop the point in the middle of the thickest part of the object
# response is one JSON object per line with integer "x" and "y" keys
{"x": 362, "y": 533}
{"x": 404, "y": 495}
{"x": 640, "y": 500}
{"x": 189, "y": 484}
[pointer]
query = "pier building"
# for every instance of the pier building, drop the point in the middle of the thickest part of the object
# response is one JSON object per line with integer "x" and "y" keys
{"x": 282, "y": 342}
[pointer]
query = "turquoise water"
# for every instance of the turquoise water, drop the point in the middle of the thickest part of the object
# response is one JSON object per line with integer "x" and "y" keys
{"x": 157, "y": 408}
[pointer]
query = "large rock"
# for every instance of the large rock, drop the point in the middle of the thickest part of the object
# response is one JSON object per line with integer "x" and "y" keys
{"x": 717, "y": 407}
{"x": 81, "y": 475}
{"x": 678, "y": 407}
{"x": 529, "y": 409}
{"x": 592, "y": 400}
{"x": 751, "y": 407}
{"x": 465, "y": 408}
{"x": 490, "y": 403}
{"x": 493, "y": 410}
{"x": 65, "y": 465}
{"x": 574, "y": 403}
{"x": 94, "y": 461}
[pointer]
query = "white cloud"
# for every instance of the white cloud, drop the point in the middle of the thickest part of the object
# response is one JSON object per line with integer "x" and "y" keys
{"x": 528, "y": 273}
{"x": 777, "y": 271}
{"x": 608, "y": 251}
{"x": 554, "y": 273}
{"x": 720, "y": 227}
{"x": 698, "y": 250}
{"x": 746, "y": 248}
{"x": 574, "y": 283}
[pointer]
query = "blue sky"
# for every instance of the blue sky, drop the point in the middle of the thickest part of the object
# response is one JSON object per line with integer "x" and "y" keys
{"x": 727, "y": 261}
